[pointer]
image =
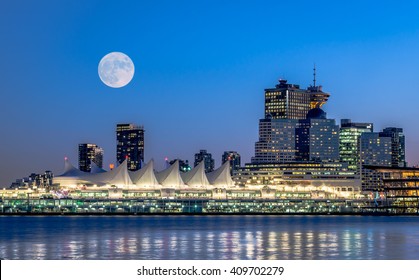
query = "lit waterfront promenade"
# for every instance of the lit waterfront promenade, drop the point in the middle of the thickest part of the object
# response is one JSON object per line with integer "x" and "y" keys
{"x": 184, "y": 206}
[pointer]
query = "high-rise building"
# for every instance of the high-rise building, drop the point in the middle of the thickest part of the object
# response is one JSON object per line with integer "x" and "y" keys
{"x": 234, "y": 159}
{"x": 294, "y": 127}
{"x": 317, "y": 138}
{"x": 207, "y": 158}
{"x": 314, "y": 138}
{"x": 89, "y": 153}
{"x": 375, "y": 150}
{"x": 130, "y": 145}
{"x": 288, "y": 101}
{"x": 276, "y": 141}
{"x": 398, "y": 154}
{"x": 349, "y": 142}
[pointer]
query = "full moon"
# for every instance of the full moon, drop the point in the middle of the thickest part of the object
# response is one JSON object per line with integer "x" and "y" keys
{"x": 116, "y": 69}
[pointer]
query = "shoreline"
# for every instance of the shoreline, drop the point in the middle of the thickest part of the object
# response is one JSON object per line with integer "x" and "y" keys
{"x": 208, "y": 214}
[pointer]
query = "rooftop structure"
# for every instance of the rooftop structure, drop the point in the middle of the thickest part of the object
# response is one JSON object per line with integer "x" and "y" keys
{"x": 289, "y": 101}
{"x": 121, "y": 177}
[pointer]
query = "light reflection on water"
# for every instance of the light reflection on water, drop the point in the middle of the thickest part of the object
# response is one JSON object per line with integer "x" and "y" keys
{"x": 210, "y": 237}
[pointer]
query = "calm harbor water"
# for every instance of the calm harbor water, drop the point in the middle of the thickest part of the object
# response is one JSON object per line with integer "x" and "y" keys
{"x": 209, "y": 237}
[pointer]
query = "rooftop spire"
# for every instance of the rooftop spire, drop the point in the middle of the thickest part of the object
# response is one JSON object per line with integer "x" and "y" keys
{"x": 314, "y": 75}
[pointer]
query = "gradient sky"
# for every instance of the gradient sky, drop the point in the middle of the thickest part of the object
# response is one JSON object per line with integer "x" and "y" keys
{"x": 201, "y": 71}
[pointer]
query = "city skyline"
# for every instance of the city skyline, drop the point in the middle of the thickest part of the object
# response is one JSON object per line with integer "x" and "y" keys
{"x": 194, "y": 82}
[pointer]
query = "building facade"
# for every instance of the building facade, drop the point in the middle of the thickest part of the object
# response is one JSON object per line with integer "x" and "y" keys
{"x": 234, "y": 158}
{"x": 289, "y": 101}
{"x": 375, "y": 150}
{"x": 89, "y": 153}
{"x": 314, "y": 138}
{"x": 399, "y": 191}
{"x": 398, "y": 154}
{"x": 301, "y": 179}
{"x": 349, "y": 142}
{"x": 130, "y": 145}
{"x": 203, "y": 155}
{"x": 317, "y": 138}
{"x": 286, "y": 101}
{"x": 34, "y": 181}
{"x": 276, "y": 141}
{"x": 294, "y": 127}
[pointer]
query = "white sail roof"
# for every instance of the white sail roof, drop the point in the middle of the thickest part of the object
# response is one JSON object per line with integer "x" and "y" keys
{"x": 71, "y": 175}
{"x": 196, "y": 177}
{"x": 99, "y": 178}
{"x": 121, "y": 175}
{"x": 221, "y": 177}
{"x": 117, "y": 176}
{"x": 170, "y": 177}
{"x": 145, "y": 177}
{"x": 94, "y": 169}
{"x": 70, "y": 170}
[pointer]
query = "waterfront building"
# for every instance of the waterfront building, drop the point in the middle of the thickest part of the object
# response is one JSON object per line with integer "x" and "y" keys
{"x": 203, "y": 155}
{"x": 375, "y": 150}
{"x": 89, "y": 153}
{"x": 399, "y": 190}
{"x": 130, "y": 145}
{"x": 276, "y": 141}
{"x": 397, "y": 145}
{"x": 121, "y": 177}
{"x": 155, "y": 202}
{"x": 349, "y": 142}
{"x": 301, "y": 179}
{"x": 298, "y": 152}
{"x": 259, "y": 181}
{"x": 234, "y": 159}
{"x": 317, "y": 138}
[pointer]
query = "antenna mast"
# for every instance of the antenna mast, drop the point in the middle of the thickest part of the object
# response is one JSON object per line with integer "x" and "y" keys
{"x": 314, "y": 75}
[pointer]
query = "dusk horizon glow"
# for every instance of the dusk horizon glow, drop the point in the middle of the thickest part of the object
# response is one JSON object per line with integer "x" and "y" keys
{"x": 200, "y": 74}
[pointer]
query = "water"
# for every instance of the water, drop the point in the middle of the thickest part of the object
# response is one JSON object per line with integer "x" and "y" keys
{"x": 209, "y": 237}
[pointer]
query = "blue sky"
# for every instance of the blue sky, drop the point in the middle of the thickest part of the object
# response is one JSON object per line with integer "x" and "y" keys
{"x": 201, "y": 68}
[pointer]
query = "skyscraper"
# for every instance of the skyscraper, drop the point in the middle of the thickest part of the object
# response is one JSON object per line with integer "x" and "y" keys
{"x": 294, "y": 127}
{"x": 314, "y": 138}
{"x": 276, "y": 141}
{"x": 207, "y": 158}
{"x": 89, "y": 153}
{"x": 317, "y": 138}
{"x": 234, "y": 159}
{"x": 375, "y": 150}
{"x": 130, "y": 145}
{"x": 349, "y": 142}
{"x": 398, "y": 154}
{"x": 288, "y": 101}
